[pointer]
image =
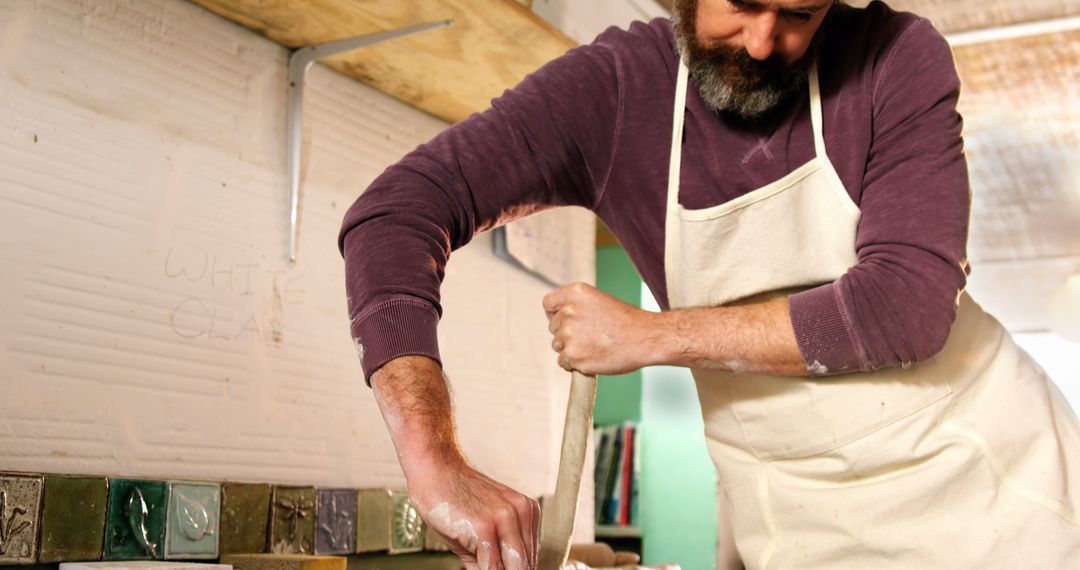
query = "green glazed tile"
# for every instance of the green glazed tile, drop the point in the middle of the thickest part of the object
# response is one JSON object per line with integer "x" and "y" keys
{"x": 374, "y": 517}
{"x": 191, "y": 528}
{"x": 73, "y": 519}
{"x": 292, "y": 520}
{"x": 135, "y": 525}
{"x": 408, "y": 528}
{"x": 20, "y": 507}
{"x": 245, "y": 510}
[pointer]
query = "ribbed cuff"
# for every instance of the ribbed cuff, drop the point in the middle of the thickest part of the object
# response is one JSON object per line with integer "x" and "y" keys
{"x": 393, "y": 328}
{"x": 823, "y": 332}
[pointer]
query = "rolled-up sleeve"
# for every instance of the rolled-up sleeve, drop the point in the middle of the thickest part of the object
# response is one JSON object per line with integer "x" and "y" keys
{"x": 896, "y": 306}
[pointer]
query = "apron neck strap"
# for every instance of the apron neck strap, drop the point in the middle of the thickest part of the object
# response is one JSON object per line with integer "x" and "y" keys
{"x": 675, "y": 166}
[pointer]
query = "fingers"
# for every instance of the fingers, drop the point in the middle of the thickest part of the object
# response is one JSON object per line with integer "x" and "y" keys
{"x": 534, "y": 535}
{"x": 558, "y": 298}
{"x": 554, "y": 300}
{"x": 527, "y": 517}
{"x": 564, "y": 363}
{"x": 511, "y": 546}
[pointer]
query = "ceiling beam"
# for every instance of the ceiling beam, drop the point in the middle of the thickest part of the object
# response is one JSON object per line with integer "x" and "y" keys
{"x": 1014, "y": 31}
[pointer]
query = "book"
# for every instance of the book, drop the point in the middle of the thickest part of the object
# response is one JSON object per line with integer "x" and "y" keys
{"x": 626, "y": 468}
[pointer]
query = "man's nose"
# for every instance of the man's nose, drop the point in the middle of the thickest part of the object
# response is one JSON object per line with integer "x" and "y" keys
{"x": 759, "y": 35}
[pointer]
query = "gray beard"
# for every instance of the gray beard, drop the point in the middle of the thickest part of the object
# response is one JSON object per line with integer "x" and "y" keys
{"x": 729, "y": 80}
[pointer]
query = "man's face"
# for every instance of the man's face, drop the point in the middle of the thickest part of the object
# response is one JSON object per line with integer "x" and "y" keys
{"x": 748, "y": 56}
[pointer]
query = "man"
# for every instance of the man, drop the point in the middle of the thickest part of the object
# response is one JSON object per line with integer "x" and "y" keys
{"x": 795, "y": 195}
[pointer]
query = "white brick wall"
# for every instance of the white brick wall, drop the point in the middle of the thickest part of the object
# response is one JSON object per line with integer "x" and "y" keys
{"x": 149, "y": 323}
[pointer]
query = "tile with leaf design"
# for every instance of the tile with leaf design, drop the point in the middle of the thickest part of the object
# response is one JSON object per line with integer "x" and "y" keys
{"x": 193, "y": 523}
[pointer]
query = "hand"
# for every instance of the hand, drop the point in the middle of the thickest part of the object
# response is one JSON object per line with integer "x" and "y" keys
{"x": 487, "y": 524}
{"x": 595, "y": 333}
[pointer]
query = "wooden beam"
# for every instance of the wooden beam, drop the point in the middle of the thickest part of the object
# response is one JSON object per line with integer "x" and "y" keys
{"x": 449, "y": 73}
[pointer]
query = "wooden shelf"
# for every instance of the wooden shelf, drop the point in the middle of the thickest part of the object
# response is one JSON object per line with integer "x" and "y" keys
{"x": 615, "y": 531}
{"x": 450, "y": 73}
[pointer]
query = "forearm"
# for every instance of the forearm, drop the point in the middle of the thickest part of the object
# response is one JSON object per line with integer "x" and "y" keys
{"x": 756, "y": 337}
{"x": 414, "y": 399}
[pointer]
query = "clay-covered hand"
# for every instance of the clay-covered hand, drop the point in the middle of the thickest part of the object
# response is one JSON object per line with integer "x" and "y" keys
{"x": 489, "y": 525}
{"x": 595, "y": 333}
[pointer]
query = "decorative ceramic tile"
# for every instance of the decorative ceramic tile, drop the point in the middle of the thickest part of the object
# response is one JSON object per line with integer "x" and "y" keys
{"x": 292, "y": 520}
{"x": 20, "y": 507}
{"x": 284, "y": 562}
{"x": 336, "y": 532}
{"x": 73, "y": 518}
{"x": 192, "y": 526}
{"x": 135, "y": 525}
{"x": 408, "y": 528}
{"x": 245, "y": 510}
{"x": 374, "y": 517}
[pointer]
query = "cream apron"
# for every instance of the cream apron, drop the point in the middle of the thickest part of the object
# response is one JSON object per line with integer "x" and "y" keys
{"x": 968, "y": 460}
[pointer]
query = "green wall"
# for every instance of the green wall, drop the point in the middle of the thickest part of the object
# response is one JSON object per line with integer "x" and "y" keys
{"x": 618, "y": 398}
{"x": 678, "y": 481}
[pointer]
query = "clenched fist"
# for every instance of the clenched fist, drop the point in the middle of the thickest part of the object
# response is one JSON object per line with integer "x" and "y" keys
{"x": 595, "y": 333}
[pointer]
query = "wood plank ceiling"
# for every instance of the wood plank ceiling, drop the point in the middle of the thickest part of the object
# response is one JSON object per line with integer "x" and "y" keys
{"x": 953, "y": 16}
{"x": 449, "y": 73}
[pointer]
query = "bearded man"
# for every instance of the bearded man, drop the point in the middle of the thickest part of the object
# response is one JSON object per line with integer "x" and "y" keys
{"x": 788, "y": 177}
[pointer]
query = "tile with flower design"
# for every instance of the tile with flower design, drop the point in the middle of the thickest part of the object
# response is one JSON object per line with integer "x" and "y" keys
{"x": 407, "y": 532}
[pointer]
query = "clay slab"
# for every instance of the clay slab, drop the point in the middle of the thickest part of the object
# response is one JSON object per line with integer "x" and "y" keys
{"x": 73, "y": 518}
{"x": 143, "y": 565}
{"x": 284, "y": 562}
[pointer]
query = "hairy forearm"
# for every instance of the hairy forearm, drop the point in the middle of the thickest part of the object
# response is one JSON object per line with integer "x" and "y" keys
{"x": 756, "y": 337}
{"x": 414, "y": 399}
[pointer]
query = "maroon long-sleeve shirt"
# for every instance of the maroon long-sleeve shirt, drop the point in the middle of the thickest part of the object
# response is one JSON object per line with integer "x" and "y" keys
{"x": 592, "y": 129}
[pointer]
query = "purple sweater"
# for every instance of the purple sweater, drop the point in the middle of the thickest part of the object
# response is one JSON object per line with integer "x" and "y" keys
{"x": 592, "y": 129}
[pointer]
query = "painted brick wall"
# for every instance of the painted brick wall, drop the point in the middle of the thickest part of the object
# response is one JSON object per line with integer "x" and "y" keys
{"x": 150, "y": 324}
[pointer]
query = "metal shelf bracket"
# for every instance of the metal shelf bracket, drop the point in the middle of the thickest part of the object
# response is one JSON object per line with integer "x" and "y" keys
{"x": 299, "y": 62}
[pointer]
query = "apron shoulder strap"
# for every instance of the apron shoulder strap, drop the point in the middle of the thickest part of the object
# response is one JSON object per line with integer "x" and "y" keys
{"x": 815, "y": 113}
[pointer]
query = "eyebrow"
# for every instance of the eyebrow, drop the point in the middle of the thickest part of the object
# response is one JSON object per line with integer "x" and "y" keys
{"x": 811, "y": 8}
